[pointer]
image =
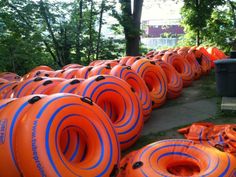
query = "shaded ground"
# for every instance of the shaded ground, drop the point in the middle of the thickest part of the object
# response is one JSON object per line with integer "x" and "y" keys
{"x": 180, "y": 115}
{"x": 200, "y": 90}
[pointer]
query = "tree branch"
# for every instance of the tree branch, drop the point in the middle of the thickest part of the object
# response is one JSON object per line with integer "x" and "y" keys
{"x": 100, "y": 29}
{"x": 43, "y": 11}
{"x": 90, "y": 30}
{"x": 35, "y": 30}
{"x": 79, "y": 27}
{"x": 138, "y": 11}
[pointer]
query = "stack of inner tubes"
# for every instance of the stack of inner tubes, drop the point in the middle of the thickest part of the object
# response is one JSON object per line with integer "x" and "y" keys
{"x": 75, "y": 121}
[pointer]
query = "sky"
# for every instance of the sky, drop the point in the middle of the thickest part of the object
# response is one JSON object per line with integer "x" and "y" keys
{"x": 167, "y": 10}
{"x": 153, "y": 10}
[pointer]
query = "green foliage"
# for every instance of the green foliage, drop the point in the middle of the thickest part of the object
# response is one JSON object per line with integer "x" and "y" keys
{"x": 20, "y": 49}
{"x": 212, "y": 19}
{"x": 166, "y": 35}
{"x": 143, "y": 49}
{"x": 41, "y": 32}
{"x": 220, "y": 30}
{"x": 195, "y": 13}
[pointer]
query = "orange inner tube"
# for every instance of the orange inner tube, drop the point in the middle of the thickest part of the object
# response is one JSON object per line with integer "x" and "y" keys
{"x": 11, "y": 115}
{"x": 125, "y": 161}
{"x": 196, "y": 68}
{"x": 206, "y": 64}
{"x": 5, "y": 102}
{"x": 154, "y": 78}
{"x": 231, "y": 132}
{"x": 174, "y": 80}
{"x": 3, "y": 81}
{"x": 215, "y": 53}
{"x": 39, "y": 138}
{"x": 69, "y": 73}
{"x": 100, "y": 69}
{"x": 71, "y": 66}
{"x": 46, "y": 68}
{"x": 50, "y": 73}
{"x": 38, "y": 85}
{"x": 67, "y": 86}
{"x": 97, "y": 62}
{"x": 138, "y": 84}
{"x": 112, "y": 63}
{"x": 83, "y": 72}
{"x": 124, "y": 60}
{"x": 203, "y": 60}
{"x": 131, "y": 60}
{"x": 7, "y": 89}
{"x": 120, "y": 103}
{"x": 180, "y": 158}
{"x": 24, "y": 86}
{"x": 10, "y": 76}
{"x": 181, "y": 65}
{"x": 46, "y": 86}
{"x": 33, "y": 74}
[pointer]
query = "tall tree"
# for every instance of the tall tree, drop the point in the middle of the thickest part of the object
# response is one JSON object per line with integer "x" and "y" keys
{"x": 130, "y": 19}
{"x": 100, "y": 28}
{"x": 91, "y": 30}
{"x": 195, "y": 14}
{"x": 45, "y": 14}
{"x": 232, "y": 5}
{"x": 217, "y": 27}
{"x": 53, "y": 33}
{"x": 24, "y": 17}
{"x": 78, "y": 32}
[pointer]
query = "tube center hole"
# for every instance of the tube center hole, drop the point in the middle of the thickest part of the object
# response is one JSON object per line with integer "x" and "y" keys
{"x": 184, "y": 169}
{"x": 73, "y": 145}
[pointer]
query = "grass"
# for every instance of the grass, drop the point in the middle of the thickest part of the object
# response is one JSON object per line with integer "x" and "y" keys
{"x": 201, "y": 89}
{"x": 223, "y": 117}
{"x": 207, "y": 85}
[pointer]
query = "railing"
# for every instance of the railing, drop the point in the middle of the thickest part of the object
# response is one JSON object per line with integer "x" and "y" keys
{"x": 154, "y": 43}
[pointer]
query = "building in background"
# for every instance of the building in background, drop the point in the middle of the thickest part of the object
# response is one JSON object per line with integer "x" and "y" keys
{"x": 162, "y": 28}
{"x": 161, "y": 23}
{"x": 161, "y": 32}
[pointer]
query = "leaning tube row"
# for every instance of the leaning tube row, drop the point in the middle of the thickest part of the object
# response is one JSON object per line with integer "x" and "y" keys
{"x": 115, "y": 96}
{"x": 151, "y": 81}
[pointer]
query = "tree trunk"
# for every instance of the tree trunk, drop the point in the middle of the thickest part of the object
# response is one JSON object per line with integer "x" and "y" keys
{"x": 100, "y": 29}
{"x": 66, "y": 48}
{"x": 131, "y": 24}
{"x": 64, "y": 45}
{"x": 233, "y": 11}
{"x": 48, "y": 48}
{"x": 79, "y": 28}
{"x": 44, "y": 11}
{"x": 132, "y": 46}
{"x": 90, "y": 31}
{"x": 198, "y": 38}
{"x": 198, "y": 30}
